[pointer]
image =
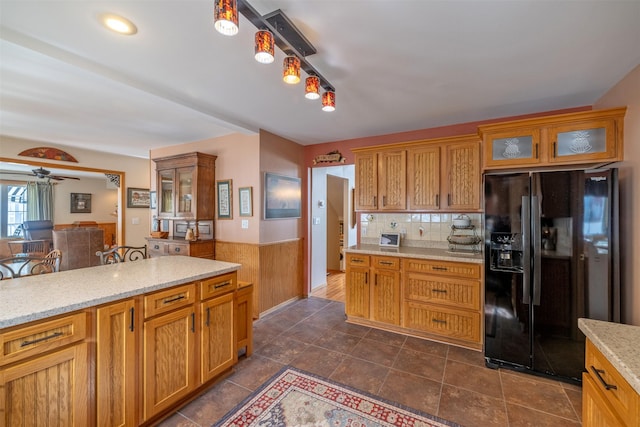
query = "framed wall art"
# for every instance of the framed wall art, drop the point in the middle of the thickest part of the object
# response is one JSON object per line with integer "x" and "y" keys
{"x": 80, "y": 203}
{"x": 245, "y": 201}
{"x": 282, "y": 196}
{"x": 138, "y": 197}
{"x": 223, "y": 188}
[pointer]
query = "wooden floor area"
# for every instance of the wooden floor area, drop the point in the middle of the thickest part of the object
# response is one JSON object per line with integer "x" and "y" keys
{"x": 334, "y": 289}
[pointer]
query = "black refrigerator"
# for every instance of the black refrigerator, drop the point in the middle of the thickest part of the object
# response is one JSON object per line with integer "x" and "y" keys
{"x": 551, "y": 257}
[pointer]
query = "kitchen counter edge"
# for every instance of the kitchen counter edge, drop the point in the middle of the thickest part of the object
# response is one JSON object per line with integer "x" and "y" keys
{"x": 414, "y": 252}
{"x": 619, "y": 344}
{"x": 38, "y": 297}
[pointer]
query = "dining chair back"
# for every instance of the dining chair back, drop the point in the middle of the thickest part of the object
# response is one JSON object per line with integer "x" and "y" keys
{"x": 122, "y": 253}
{"x": 21, "y": 266}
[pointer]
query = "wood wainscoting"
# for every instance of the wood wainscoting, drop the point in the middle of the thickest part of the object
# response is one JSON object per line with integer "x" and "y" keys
{"x": 275, "y": 269}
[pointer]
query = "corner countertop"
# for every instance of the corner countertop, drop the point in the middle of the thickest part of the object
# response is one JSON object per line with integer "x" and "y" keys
{"x": 37, "y": 297}
{"x": 415, "y": 252}
{"x": 619, "y": 344}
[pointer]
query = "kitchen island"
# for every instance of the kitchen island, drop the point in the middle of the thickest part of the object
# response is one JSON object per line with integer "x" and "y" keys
{"x": 611, "y": 383}
{"x": 428, "y": 293}
{"x": 120, "y": 344}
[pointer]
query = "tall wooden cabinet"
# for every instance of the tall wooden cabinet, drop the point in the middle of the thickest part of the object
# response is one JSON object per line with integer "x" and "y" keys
{"x": 358, "y": 293}
{"x": 185, "y": 199}
{"x": 185, "y": 186}
{"x": 432, "y": 175}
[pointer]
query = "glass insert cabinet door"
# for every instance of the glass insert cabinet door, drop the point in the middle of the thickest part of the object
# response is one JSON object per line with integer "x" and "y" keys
{"x": 593, "y": 140}
{"x": 165, "y": 195}
{"x": 184, "y": 178}
{"x": 517, "y": 147}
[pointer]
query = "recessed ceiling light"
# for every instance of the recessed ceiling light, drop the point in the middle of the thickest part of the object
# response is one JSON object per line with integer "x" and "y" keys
{"x": 119, "y": 24}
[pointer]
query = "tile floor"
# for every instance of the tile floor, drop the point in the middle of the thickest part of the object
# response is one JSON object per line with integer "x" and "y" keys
{"x": 447, "y": 381}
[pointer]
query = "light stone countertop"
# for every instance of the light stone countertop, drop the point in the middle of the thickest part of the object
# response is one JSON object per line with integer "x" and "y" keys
{"x": 32, "y": 298}
{"x": 619, "y": 343}
{"x": 416, "y": 252}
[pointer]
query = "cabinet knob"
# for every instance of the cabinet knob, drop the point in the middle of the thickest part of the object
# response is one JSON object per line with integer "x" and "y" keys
{"x": 156, "y": 246}
{"x": 177, "y": 249}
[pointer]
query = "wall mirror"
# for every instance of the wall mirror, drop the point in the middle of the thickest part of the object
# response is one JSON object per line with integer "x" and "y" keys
{"x": 15, "y": 170}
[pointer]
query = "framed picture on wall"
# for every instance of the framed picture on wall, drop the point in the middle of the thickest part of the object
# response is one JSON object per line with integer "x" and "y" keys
{"x": 282, "y": 196}
{"x": 138, "y": 197}
{"x": 246, "y": 201}
{"x": 80, "y": 203}
{"x": 224, "y": 199}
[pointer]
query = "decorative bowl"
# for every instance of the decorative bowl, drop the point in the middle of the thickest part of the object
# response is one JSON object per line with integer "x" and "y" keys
{"x": 159, "y": 234}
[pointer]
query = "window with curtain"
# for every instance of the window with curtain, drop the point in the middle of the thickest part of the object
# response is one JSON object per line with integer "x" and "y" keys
{"x": 39, "y": 201}
{"x": 13, "y": 208}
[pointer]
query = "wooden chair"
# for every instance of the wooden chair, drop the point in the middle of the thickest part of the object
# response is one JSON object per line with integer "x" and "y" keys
{"x": 21, "y": 266}
{"x": 122, "y": 254}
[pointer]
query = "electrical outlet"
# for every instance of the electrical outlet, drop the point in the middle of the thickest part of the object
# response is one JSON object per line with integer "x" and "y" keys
{"x": 245, "y": 223}
{"x": 135, "y": 220}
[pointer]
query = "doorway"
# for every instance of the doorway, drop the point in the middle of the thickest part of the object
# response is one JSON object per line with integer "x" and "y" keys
{"x": 331, "y": 227}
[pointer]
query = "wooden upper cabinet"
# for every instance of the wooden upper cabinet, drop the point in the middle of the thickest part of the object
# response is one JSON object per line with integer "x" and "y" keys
{"x": 462, "y": 167}
{"x": 563, "y": 139}
{"x": 423, "y": 177}
{"x": 366, "y": 181}
{"x": 381, "y": 180}
{"x": 430, "y": 175}
{"x": 185, "y": 186}
{"x": 392, "y": 180}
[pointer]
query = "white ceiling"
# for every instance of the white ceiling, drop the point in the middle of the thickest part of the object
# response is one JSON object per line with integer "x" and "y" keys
{"x": 64, "y": 79}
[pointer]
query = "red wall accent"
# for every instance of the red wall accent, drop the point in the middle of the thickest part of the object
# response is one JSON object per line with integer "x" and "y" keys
{"x": 345, "y": 146}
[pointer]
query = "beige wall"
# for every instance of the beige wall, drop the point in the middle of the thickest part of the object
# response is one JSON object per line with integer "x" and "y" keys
{"x": 136, "y": 172}
{"x": 627, "y": 92}
{"x": 238, "y": 160}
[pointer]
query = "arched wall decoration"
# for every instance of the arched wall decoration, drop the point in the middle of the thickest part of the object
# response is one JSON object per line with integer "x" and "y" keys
{"x": 48, "y": 153}
{"x": 114, "y": 179}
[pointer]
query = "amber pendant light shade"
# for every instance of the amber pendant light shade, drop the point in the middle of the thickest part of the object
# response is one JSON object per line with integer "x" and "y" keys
{"x": 312, "y": 87}
{"x": 291, "y": 70}
{"x": 329, "y": 101}
{"x": 264, "y": 47}
{"x": 225, "y": 17}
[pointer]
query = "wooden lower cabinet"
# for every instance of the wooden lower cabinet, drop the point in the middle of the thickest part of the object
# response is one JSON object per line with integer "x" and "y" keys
{"x": 219, "y": 348}
{"x": 116, "y": 350}
{"x": 385, "y": 291}
{"x": 244, "y": 318}
{"x": 169, "y": 371}
{"x": 607, "y": 398}
{"x": 439, "y": 300}
{"x": 47, "y": 390}
{"x": 358, "y": 291}
{"x": 125, "y": 363}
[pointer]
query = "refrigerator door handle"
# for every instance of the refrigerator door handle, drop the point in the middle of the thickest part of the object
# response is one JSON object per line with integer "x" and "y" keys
{"x": 525, "y": 218}
{"x": 537, "y": 249}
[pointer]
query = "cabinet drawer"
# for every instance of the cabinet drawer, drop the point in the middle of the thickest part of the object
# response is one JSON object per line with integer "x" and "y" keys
{"x": 389, "y": 263}
{"x": 443, "y": 268}
{"x": 157, "y": 249}
{"x": 459, "y": 324}
{"x": 178, "y": 249}
{"x": 622, "y": 398}
{"x": 170, "y": 299}
{"x": 42, "y": 337}
{"x": 358, "y": 260}
{"x": 218, "y": 285}
{"x": 443, "y": 290}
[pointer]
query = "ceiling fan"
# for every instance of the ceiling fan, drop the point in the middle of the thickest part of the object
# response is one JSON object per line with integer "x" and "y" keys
{"x": 42, "y": 173}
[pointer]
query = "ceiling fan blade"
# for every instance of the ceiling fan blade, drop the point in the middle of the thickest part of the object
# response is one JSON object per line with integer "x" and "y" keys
{"x": 61, "y": 177}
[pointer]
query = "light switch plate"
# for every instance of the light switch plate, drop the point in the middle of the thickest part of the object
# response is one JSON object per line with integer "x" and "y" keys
{"x": 245, "y": 223}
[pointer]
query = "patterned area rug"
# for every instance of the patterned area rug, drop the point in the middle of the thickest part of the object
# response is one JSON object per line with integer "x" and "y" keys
{"x": 296, "y": 398}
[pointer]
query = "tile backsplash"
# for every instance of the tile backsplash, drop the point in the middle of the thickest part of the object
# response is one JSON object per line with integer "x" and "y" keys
{"x": 429, "y": 230}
